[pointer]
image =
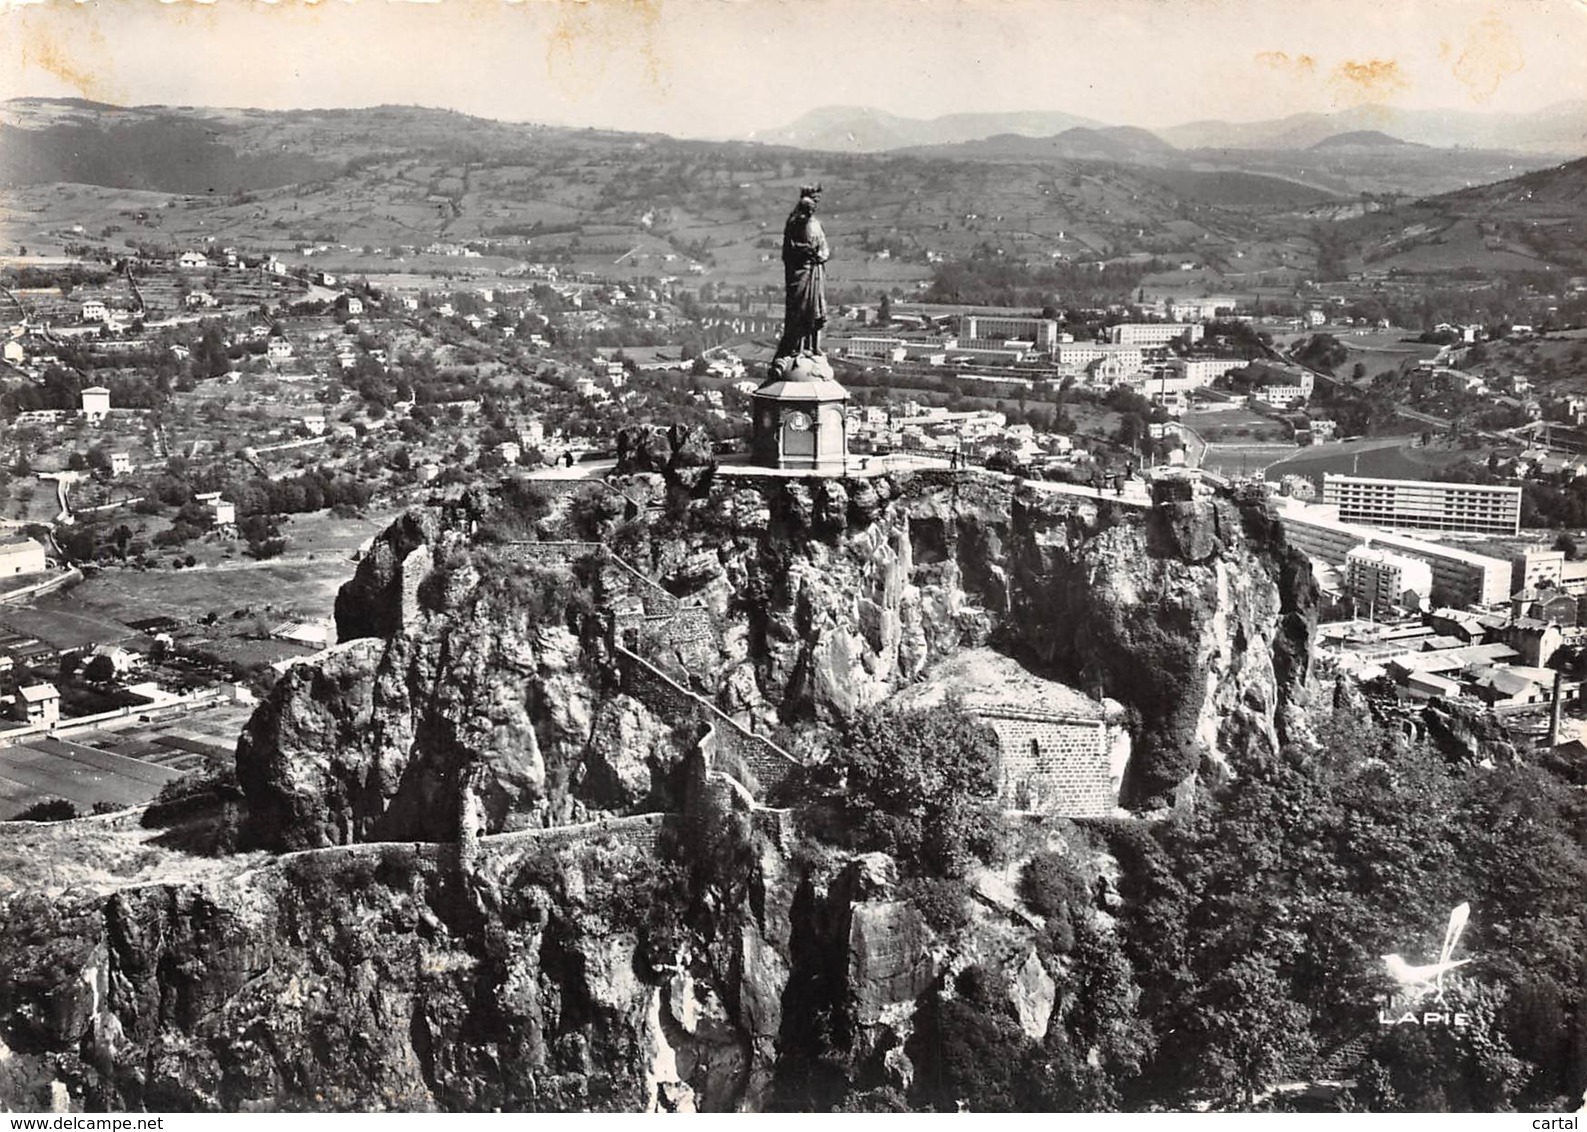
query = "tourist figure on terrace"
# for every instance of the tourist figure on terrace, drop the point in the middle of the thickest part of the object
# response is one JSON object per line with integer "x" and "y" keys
{"x": 804, "y": 252}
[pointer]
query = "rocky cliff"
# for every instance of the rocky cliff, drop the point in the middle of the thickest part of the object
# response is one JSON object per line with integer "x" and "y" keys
{"x": 481, "y": 669}
{"x": 560, "y": 906}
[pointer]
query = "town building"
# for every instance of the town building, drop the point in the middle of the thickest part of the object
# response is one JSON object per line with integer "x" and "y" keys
{"x": 96, "y": 403}
{"x": 37, "y": 703}
{"x": 1461, "y": 576}
{"x": 95, "y": 311}
{"x": 222, "y": 512}
{"x": 1536, "y": 566}
{"x": 1474, "y": 508}
{"x": 20, "y": 555}
{"x": 1378, "y": 580}
{"x": 1041, "y": 333}
{"x": 193, "y": 260}
{"x": 120, "y": 464}
{"x": 1153, "y": 333}
{"x": 869, "y": 346}
{"x": 1282, "y": 396}
{"x": 278, "y": 349}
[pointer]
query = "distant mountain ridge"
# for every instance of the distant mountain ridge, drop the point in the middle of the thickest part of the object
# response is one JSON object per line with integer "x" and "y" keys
{"x": 1080, "y": 143}
{"x": 1560, "y": 129}
{"x": 863, "y": 129}
{"x": 1557, "y": 129}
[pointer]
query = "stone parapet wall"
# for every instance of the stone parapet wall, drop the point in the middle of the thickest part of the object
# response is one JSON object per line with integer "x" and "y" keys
{"x": 657, "y": 601}
{"x": 559, "y": 553}
{"x": 643, "y": 831}
{"x": 690, "y": 625}
{"x": 760, "y": 765}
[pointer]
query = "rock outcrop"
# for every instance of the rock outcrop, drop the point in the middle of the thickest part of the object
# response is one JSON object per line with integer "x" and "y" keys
{"x": 822, "y": 598}
{"x": 567, "y": 909}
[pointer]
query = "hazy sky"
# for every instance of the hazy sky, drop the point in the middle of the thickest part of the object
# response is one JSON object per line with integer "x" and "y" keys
{"x": 726, "y": 67}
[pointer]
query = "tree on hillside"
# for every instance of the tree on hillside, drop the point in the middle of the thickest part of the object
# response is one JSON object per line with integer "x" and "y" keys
{"x": 917, "y": 785}
{"x": 1322, "y": 351}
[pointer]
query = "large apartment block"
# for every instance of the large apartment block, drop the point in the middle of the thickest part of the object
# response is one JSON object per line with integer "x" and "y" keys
{"x": 1470, "y": 579}
{"x": 1380, "y": 579}
{"x": 1000, "y": 328}
{"x": 1471, "y": 507}
{"x": 1153, "y": 333}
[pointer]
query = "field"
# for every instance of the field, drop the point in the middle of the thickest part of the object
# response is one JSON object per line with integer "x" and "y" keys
{"x": 85, "y": 776}
{"x": 124, "y": 766}
{"x": 102, "y": 608}
{"x": 1239, "y": 461}
{"x": 1390, "y": 457}
{"x": 1236, "y": 426}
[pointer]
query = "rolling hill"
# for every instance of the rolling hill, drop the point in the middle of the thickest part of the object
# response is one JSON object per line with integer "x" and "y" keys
{"x": 396, "y": 179}
{"x": 365, "y": 184}
{"x": 1363, "y": 139}
{"x": 1560, "y": 129}
{"x": 1079, "y": 143}
{"x": 1536, "y": 221}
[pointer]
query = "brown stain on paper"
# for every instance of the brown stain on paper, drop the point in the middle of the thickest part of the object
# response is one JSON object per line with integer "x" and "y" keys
{"x": 42, "y": 47}
{"x": 587, "y": 32}
{"x": 1283, "y": 61}
{"x": 1368, "y": 80}
{"x": 1492, "y": 53}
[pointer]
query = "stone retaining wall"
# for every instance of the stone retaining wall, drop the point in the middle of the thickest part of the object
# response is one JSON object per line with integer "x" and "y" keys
{"x": 760, "y": 765}
{"x": 1053, "y": 764}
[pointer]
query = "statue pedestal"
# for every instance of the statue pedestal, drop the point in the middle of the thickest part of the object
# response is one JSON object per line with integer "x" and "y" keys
{"x": 799, "y": 416}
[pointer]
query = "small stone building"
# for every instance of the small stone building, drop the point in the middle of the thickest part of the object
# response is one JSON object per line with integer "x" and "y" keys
{"x": 1060, "y": 751}
{"x": 1052, "y": 763}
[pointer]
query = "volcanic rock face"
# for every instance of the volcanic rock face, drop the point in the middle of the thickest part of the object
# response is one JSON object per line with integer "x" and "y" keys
{"x": 683, "y": 960}
{"x": 826, "y": 597}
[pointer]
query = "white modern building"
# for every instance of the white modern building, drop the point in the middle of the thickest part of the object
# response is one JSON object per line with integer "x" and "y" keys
{"x": 1082, "y": 354}
{"x": 96, "y": 402}
{"x": 20, "y": 555}
{"x": 1379, "y": 580}
{"x": 1469, "y": 507}
{"x": 1153, "y": 333}
{"x": 1042, "y": 332}
{"x": 869, "y": 346}
{"x": 1467, "y": 578}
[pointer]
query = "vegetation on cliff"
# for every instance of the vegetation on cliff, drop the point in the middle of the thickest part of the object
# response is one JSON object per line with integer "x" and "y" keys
{"x": 1256, "y": 923}
{"x": 917, "y": 785}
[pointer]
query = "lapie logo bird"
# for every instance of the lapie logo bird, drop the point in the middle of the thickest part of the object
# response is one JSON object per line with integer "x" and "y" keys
{"x": 1416, "y": 981}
